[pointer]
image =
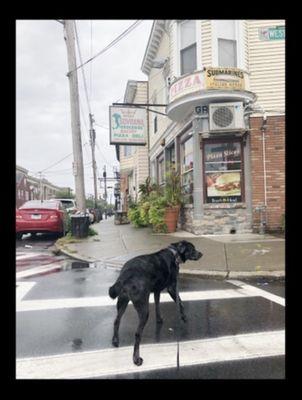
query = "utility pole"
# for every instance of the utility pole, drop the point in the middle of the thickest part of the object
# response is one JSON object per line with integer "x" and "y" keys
{"x": 41, "y": 186}
{"x": 92, "y": 143}
{"x": 105, "y": 188}
{"x": 78, "y": 169}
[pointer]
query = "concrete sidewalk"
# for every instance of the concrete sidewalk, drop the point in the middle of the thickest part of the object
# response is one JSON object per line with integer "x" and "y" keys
{"x": 232, "y": 256}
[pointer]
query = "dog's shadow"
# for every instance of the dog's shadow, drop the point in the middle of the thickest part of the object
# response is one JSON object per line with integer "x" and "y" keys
{"x": 158, "y": 328}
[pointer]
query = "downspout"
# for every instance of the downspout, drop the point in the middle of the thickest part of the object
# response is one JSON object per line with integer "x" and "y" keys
{"x": 148, "y": 133}
{"x": 263, "y": 129}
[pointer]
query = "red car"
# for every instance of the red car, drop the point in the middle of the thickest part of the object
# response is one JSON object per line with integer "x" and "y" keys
{"x": 37, "y": 216}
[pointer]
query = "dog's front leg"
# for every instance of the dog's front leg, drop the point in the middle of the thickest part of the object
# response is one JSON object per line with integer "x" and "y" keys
{"x": 159, "y": 319}
{"x": 172, "y": 292}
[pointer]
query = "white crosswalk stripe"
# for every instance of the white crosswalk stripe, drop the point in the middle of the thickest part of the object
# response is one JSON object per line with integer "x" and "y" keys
{"x": 118, "y": 361}
{"x": 156, "y": 356}
{"x": 24, "y": 256}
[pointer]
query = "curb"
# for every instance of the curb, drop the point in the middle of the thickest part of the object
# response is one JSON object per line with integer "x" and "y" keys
{"x": 206, "y": 274}
{"x": 76, "y": 257}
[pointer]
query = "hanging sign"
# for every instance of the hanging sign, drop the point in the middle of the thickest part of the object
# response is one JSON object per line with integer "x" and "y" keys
{"x": 128, "y": 125}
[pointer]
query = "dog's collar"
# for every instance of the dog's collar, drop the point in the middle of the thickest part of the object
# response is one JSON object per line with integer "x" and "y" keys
{"x": 175, "y": 253}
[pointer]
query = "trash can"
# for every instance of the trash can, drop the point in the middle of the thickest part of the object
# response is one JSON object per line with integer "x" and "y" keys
{"x": 79, "y": 226}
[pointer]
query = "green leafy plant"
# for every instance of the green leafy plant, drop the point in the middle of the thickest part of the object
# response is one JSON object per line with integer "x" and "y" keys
{"x": 134, "y": 216}
{"x": 147, "y": 188}
{"x": 173, "y": 188}
{"x": 144, "y": 212}
{"x": 157, "y": 214}
{"x": 92, "y": 232}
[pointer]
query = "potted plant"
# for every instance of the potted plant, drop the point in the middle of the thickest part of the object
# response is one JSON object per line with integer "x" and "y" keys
{"x": 173, "y": 197}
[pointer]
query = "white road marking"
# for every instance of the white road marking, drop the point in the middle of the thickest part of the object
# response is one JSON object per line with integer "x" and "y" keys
{"x": 37, "y": 270}
{"x": 47, "y": 304}
{"x": 253, "y": 291}
{"x": 23, "y": 256}
{"x": 117, "y": 361}
{"x": 22, "y": 289}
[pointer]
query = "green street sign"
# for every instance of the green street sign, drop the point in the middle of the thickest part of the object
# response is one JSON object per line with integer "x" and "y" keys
{"x": 272, "y": 33}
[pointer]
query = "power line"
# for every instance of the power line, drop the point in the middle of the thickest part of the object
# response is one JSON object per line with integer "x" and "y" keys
{"x": 56, "y": 162}
{"x": 83, "y": 72}
{"x": 111, "y": 44}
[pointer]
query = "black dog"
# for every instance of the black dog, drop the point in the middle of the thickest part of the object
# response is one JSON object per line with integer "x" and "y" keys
{"x": 145, "y": 274}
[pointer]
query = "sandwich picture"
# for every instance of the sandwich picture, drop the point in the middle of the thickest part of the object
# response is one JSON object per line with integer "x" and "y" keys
{"x": 226, "y": 184}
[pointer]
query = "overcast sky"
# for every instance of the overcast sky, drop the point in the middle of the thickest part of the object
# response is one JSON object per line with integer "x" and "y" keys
{"x": 43, "y": 102}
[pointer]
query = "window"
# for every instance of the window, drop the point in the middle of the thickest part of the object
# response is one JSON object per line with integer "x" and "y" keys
{"x": 227, "y": 53}
{"x": 187, "y": 169}
{"x": 188, "y": 62}
{"x": 155, "y": 125}
{"x": 161, "y": 169}
{"x": 170, "y": 157}
{"x": 223, "y": 177}
{"x": 127, "y": 151}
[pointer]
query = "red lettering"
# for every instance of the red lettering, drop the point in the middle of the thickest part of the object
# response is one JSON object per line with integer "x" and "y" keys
{"x": 196, "y": 80}
{"x": 187, "y": 82}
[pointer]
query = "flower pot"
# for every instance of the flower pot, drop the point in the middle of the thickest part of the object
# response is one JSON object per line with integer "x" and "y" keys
{"x": 171, "y": 217}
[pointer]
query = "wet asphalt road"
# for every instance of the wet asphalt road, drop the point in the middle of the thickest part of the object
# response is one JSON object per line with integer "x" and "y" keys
{"x": 63, "y": 330}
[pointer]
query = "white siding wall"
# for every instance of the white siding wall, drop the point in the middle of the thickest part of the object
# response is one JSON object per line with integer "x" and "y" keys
{"x": 267, "y": 66}
{"x": 142, "y": 165}
{"x": 157, "y": 83}
{"x": 206, "y": 43}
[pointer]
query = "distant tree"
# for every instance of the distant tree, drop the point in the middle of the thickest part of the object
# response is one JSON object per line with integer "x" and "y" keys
{"x": 64, "y": 194}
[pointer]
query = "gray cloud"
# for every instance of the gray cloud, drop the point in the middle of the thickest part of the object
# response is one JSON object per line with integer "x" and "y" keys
{"x": 42, "y": 96}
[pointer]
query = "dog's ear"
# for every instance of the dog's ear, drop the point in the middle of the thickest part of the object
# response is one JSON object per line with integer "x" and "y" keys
{"x": 181, "y": 247}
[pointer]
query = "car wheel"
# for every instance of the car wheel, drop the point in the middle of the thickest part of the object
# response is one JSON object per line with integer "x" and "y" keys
{"x": 19, "y": 236}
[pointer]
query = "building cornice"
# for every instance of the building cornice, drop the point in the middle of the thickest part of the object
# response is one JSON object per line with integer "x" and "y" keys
{"x": 158, "y": 28}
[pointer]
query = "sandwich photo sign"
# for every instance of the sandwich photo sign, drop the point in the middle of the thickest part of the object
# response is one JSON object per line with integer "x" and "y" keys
{"x": 223, "y": 172}
{"x": 128, "y": 125}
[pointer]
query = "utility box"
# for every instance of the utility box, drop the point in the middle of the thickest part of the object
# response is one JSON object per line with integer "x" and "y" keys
{"x": 79, "y": 226}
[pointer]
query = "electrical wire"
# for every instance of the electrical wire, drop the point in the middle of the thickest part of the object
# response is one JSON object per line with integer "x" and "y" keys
{"x": 111, "y": 44}
{"x": 82, "y": 69}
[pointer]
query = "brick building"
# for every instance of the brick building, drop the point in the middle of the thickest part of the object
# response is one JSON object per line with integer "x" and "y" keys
{"x": 224, "y": 85}
{"x": 29, "y": 187}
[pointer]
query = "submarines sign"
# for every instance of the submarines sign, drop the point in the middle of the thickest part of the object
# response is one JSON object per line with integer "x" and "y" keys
{"x": 128, "y": 125}
{"x": 225, "y": 78}
{"x": 209, "y": 78}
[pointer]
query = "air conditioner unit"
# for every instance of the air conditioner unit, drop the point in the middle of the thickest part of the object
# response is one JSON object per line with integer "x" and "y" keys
{"x": 226, "y": 116}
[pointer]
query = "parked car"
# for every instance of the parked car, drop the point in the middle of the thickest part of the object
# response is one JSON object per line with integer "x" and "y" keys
{"x": 68, "y": 204}
{"x": 37, "y": 216}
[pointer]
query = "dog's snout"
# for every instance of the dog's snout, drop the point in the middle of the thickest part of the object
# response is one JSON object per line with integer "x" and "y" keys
{"x": 199, "y": 255}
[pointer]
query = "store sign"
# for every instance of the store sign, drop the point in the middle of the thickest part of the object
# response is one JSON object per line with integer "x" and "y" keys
{"x": 223, "y": 172}
{"x": 128, "y": 125}
{"x": 272, "y": 33}
{"x": 186, "y": 85}
{"x": 225, "y": 78}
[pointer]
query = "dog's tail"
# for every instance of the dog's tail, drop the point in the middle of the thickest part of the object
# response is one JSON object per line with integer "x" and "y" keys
{"x": 114, "y": 290}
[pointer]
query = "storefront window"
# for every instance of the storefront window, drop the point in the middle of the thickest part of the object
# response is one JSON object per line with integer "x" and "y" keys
{"x": 161, "y": 170}
{"x": 187, "y": 170}
{"x": 170, "y": 157}
{"x": 223, "y": 172}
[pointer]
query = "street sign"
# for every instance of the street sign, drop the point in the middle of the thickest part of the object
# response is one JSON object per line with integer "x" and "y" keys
{"x": 128, "y": 125}
{"x": 272, "y": 33}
